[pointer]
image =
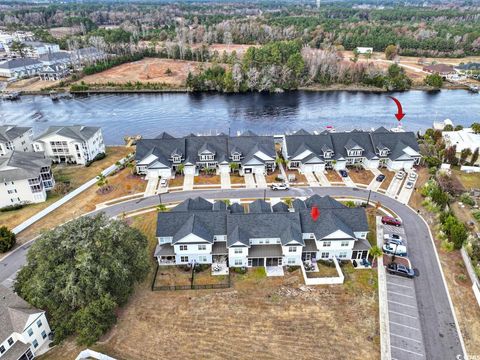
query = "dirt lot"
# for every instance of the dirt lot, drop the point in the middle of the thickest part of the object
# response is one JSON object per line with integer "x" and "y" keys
{"x": 77, "y": 175}
{"x": 470, "y": 181}
{"x": 388, "y": 178}
{"x": 237, "y": 179}
{"x": 276, "y": 317}
{"x": 151, "y": 70}
{"x": 459, "y": 285}
{"x": 33, "y": 84}
{"x": 361, "y": 176}
{"x": 333, "y": 176}
{"x": 206, "y": 180}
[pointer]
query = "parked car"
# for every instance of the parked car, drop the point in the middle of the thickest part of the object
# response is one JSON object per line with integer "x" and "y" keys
{"x": 163, "y": 182}
{"x": 394, "y": 242}
{"x": 282, "y": 186}
{"x": 344, "y": 173}
{"x": 388, "y": 220}
{"x": 392, "y": 237}
{"x": 380, "y": 178}
{"x": 401, "y": 270}
{"x": 400, "y": 175}
{"x": 412, "y": 176}
{"x": 393, "y": 249}
{"x": 409, "y": 185}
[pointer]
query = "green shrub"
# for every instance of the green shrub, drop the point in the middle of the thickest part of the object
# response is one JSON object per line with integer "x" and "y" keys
{"x": 12, "y": 207}
{"x": 467, "y": 199}
{"x": 239, "y": 270}
{"x": 476, "y": 215}
{"x": 7, "y": 239}
{"x": 462, "y": 277}
{"x": 447, "y": 246}
{"x": 291, "y": 269}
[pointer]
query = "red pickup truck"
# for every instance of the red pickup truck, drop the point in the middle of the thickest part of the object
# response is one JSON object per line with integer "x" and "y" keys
{"x": 388, "y": 220}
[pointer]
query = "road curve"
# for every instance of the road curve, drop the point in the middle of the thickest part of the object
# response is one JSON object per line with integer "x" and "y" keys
{"x": 440, "y": 334}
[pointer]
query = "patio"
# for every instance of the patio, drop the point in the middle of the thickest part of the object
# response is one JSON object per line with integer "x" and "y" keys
{"x": 274, "y": 270}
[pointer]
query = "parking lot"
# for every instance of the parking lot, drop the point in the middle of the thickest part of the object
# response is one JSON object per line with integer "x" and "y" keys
{"x": 406, "y": 340}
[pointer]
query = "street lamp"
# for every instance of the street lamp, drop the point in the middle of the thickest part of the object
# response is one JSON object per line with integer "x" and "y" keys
{"x": 368, "y": 200}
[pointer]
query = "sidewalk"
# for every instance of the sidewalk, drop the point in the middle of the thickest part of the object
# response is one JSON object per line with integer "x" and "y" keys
{"x": 249, "y": 181}
{"x": 322, "y": 178}
{"x": 225, "y": 182}
{"x": 261, "y": 181}
{"x": 188, "y": 182}
{"x": 312, "y": 180}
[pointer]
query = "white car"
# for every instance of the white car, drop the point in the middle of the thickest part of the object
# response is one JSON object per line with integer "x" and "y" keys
{"x": 400, "y": 175}
{"x": 393, "y": 249}
{"x": 409, "y": 185}
{"x": 392, "y": 236}
{"x": 412, "y": 176}
{"x": 282, "y": 186}
{"x": 163, "y": 182}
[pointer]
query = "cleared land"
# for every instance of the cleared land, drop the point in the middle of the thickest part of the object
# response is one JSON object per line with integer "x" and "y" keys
{"x": 32, "y": 84}
{"x": 264, "y": 318}
{"x": 361, "y": 176}
{"x": 76, "y": 174}
{"x": 148, "y": 70}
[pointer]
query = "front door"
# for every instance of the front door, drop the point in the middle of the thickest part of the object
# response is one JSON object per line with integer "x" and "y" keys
{"x": 274, "y": 262}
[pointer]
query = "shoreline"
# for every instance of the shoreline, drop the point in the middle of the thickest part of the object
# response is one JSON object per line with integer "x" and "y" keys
{"x": 312, "y": 88}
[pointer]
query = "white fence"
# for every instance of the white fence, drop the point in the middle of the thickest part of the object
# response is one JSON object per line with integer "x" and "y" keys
{"x": 324, "y": 280}
{"x": 472, "y": 274}
{"x": 90, "y": 354}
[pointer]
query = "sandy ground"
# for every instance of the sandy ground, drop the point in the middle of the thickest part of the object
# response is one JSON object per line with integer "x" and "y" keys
{"x": 151, "y": 70}
{"x": 61, "y": 32}
{"x": 259, "y": 318}
{"x": 33, "y": 84}
{"x": 458, "y": 282}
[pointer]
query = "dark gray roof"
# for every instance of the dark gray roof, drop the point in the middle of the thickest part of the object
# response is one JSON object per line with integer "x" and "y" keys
{"x": 164, "y": 250}
{"x": 257, "y": 251}
{"x": 219, "y": 205}
{"x": 77, "y": 132}
{"x": 11, "y": 132}
{"x": 19, "y": 63}
{"x": 54, "y": 56}
{"x": 236, "y": 208}
{"x": 14, "y": 313}
{"x": 194, "y": 225}
{"x": 16, "y": 351}
{"x": 164, "y": 135}
{"x": 325, "y": 202}
{"x": 161, "y": 148}
{"x": 197, "y": 203}
{"x": 280, "y": 207}
{"x": 362, "y": 244}
{"x": 259, "y": 206}
{"x": 394, "y": 141}
{"x": 299, "y": 205}
{"x": 302, "y": 132}
{"x": 22, "y": 165}
{"x": 248, "y": 133}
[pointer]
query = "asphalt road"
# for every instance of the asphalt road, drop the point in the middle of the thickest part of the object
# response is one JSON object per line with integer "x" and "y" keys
{"x": 440, "y": 335}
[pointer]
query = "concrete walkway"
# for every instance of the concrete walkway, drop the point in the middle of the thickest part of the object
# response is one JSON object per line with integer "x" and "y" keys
{"x": 64, "y": 200}
{"x": 322, "y": 179}
{"x": 374, "y": 184}
{"x": 392, "y": 190}
{"x": 311, "y": 179}
{"x": 225, "y": 182}
{"x": 250, "y": 181}
{"x": 405, "y": 194}
{"x": 261, "y": 181}
{"x": 152, "y": 186}
{"x": 284, "y": 174}
{"x": 188, "y": 182}
{"x": 348, "y": 181}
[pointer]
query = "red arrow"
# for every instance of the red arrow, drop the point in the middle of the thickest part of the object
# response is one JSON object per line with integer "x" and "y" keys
{"x": 400, "y": 114}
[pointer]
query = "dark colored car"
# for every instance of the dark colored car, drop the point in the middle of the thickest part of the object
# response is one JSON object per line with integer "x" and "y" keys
{"x": 343, "y": 173}
{"x": 380, "y": 178}
{"x": 400, "y": 270}
{"x": 388, "y": 220}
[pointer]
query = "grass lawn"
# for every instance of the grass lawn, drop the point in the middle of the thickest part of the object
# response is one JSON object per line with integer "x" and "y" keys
{"x": 333, "y": 176}
{"x": 361, "y": 176}
{"x": 172, "y": 275}
{"x": 206, "y": 179}
{"x": 178, "y": 181}
{"x": 324, "y": 270}
{"x": 388, "y": 178}
{"x": 470, "y": 181}
{"x": 372, "y": 226}
{"x": 236, "y": 179}
{"x": 299, "y": 178}
{"x": 270, "y": 177}
{"x": 205, "y": 277}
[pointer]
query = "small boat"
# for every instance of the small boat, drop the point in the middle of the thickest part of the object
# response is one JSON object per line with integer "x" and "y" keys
{"x": 54, "y": 95}
{"x": 11, "y": 95}
{"x": 330, "y": 128}
{"x": 473, "y": 88}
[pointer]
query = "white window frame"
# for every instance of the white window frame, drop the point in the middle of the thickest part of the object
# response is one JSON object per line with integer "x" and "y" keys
{"x": 345, "y": 243}
{"x": 183, "y": 258}
{"x": 325, "y": 255}
{"x": 238, "y": 251}
{"x": 183, "y": 247}
{"x": 202, "y": 247}
{"x": 292, "y": 249}
{"x": 238, "y": 262}
{"x": 327, "y": 244}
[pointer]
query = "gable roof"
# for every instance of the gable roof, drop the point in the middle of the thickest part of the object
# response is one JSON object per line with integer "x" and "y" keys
{"x": 164, "y": 135}
{"x": 280, "y": 207}
{"x": 19, "y": 63}
{"x": 236, "y": 208}
{"x": 259, "y": 206}
{"x": 76, "y": 132}
{"x": 14, "y": 313}
{"x": 197, "y": 203}
{"x": 193, "y": 225}
{"x": 11, "y": 132}
{"x": 18, "y": 165}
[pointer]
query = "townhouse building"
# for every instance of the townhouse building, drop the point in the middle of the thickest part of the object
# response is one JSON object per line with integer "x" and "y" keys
{"x": 56, "y": 65}
{"x": 74, "y": 144}
{"x": 197, "y": 231}
{"x": 14, "y": 137}
{"x": 25, "y": 177}
{"x": 20, "y": 68}
{"x": 164, "y": 155}
{"x": 24, "y": 330}
{"x": 337, "y": 150}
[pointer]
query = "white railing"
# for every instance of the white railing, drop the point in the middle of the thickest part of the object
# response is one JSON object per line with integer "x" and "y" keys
{"x": 324, "y": 280}
{"x": 472, "y": 274}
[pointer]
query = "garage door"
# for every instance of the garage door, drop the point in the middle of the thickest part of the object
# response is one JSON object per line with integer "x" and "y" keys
{"x": 313, "y": 167}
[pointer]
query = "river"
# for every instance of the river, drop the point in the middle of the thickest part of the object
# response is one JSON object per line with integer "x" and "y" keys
{"x": 182, "y": 113}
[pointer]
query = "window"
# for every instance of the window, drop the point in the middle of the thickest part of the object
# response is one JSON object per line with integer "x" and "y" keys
{"x": 325, "y": 255}
{"x": 260, "y": 241}
{"x": 183, "y": 247}
{"x": 238, "y": 251}
{"x": 2, "y": 349}
{"x": 238, "y": 261}
{"x": 10, "y": 341}
{"x": 30, "y": 332}
{"x": 267, "y": 241}
{"x": 35, "y": 343}
{"x": 44, "y": 334}
{"x": 202, "y": 247}
{"x": 183, "y": 258}
{"x": 345, "y": 243}
{"x": 327, "y": 243}
{"x": 39, "y": 323}
{"x": 236, "y": 157}
{"x": 342, "y": 255}
{"x": 292, "y": 249}
{"x": 291, "y": 261}
{"x": 202, "y": 258}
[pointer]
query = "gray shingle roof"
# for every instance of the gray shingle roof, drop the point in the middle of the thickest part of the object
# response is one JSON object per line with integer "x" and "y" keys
{"x": 11, "y": 132}
{"x": 22, "y": 165}
{"x": 54, "y": 56}
{"x": 14, "y": 313}
{"x": 16, "y": 351}
{"x": 76, "y": 132}
{"x": 259, "y": 206}
{"x": 194, "y": 225}
{"x": 236, "y": 208}
{"x": 197, "y": 203}
{"x": 280, "y": 207}
{"x": 19, "y": 63}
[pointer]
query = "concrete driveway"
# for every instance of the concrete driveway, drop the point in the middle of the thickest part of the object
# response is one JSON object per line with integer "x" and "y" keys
{"x": 405, "y": 194}
{"x": 225, "y": 182}
{"x": 347, "y": 181}
{"x": 261, "y": 181}
{"x": 311, "y": 179}
{"x": 438, "y": 325}
{"x": 188, "y": 182}
{"x": 250, "y": 181}
{"x": 322, "y": 179}
{"x": 394, "y": 187}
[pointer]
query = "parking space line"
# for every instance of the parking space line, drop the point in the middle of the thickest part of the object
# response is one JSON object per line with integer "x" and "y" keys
{"x": 409, "y": 351}
{"x": 409, "y": 296}
{"x": 405, "y": 337}
{"x": 405, "y": 286}
{"x": 394, "y": 302}
{"x": 407, "y": 326}
{"x": 397, "y": 313}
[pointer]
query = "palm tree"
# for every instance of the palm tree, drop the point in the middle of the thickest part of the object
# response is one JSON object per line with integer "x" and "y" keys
{"x": 102, "y": 181}
{"x": 233, "y": 166}
{"x": 180, "y": 168}
{"x": 131, "y": 166}
{"x": 161, "y": 208}
{"x": 375, "y": 252}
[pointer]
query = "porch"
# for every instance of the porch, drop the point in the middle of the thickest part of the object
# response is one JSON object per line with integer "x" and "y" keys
{"x": 165, "y": 254}
{"x": 269, "y": 256}
{"x": 220, "y": 258}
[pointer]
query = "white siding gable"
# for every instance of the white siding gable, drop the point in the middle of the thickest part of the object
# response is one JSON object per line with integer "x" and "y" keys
{"x": 338, "y": 234}
{"x": 192, "y": 238}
